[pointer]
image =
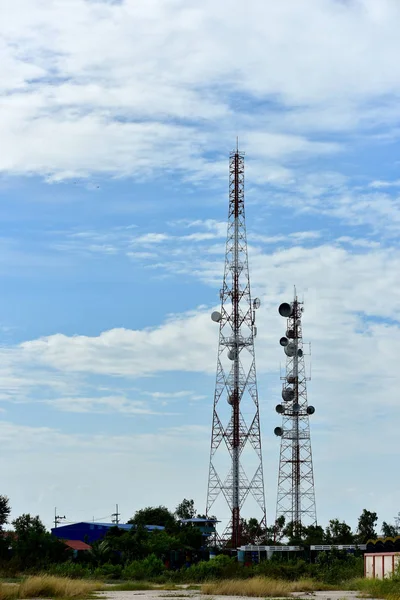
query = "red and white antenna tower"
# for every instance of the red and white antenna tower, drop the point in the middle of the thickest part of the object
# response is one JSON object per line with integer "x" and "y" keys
{"x": 296, "y": 495}
{"x": 236, "y": 395}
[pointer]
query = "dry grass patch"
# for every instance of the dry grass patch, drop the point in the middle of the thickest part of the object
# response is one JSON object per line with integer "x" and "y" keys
{"x": 8, "y": 591}
{"x": 388, "y": 588}
{"x": 260, "y": 587}
{"x": 46, "y": 586}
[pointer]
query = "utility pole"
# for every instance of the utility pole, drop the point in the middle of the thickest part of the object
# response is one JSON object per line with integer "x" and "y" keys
{"x": 57, "y": 518}
{"x": 116, "y": 516}
{"x": 236, "y": 419}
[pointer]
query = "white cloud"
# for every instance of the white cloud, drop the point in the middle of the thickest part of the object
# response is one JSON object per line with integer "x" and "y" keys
{"x": 360, "y": 243}
{"x": 140, "y": 86}
{"x": 106, "y": 404}
{"x": 107, "y": 88}
{"x": 379, "y": 183}
{"x": 351, "y": 303}
{"x": 355, "y": 286}
{"x": 131, "y": 353}
{"x": 150, "y": 238}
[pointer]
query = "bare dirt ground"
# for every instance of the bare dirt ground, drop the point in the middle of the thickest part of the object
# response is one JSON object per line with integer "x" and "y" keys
{"x": 197, "y": 595}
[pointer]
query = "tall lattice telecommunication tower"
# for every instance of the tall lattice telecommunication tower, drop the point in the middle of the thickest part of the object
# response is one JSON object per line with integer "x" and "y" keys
{"x": 236, "y": 469}
{"x": 296, "y": 495}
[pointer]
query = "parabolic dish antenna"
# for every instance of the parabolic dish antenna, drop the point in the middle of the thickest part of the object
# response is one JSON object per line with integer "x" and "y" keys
{"x": 216, "y": 316}
{"x": 285, "y": 310}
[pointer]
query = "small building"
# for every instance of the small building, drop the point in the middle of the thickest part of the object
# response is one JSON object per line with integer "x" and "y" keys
{"x": 255, "y": 554}
{"x": 88, "y": 532}
{"x": 77, "y": 546}
{"x": 378, "y": 565}
{"x": 328, "y": 547}
{"x": 207, "y": 527}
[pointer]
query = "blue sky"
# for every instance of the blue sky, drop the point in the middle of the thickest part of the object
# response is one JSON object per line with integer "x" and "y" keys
{"x": 116, "y": 122}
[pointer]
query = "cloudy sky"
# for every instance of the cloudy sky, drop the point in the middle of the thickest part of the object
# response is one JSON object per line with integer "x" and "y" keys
{"x": 116, "y": 122}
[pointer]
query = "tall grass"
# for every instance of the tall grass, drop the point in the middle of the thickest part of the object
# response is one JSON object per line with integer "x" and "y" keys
{"x": 260, "y": 587}
{"x": 47, "y": 586}
{"x": 378, "y": 588}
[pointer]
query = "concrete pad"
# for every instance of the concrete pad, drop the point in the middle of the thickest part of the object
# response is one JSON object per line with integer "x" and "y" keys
{"x": 182, "y": 594}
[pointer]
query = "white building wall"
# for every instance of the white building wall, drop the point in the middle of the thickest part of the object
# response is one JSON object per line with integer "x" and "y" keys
{"x": 369, "y": 566}
{"x": 380, "y": 565}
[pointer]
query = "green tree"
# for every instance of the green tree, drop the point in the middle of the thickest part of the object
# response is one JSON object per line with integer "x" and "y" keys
{"x": 129, "y": 545}
{"x": 27, "y": 525}
{"x": 185, "y": 510}
{"x": 5, "y": 510}
{"x": 275, "y": 533}
{"x": 338, "y": 532}
{"x": 252, "y": 532}
{"x": 33, "y": 545}
{"x": 160, "y": 543}
{"x": 366, "y": 526}
{"x": 313, "y": 535}
{"x": 190, "y": 538}
{"x": 391, "y": 529}
{"x": 102, "y": 552}
{"x": 154, "y": 515}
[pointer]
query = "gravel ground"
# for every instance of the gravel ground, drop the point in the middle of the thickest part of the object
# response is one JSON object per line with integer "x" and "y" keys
{"x": 196, "y": 595}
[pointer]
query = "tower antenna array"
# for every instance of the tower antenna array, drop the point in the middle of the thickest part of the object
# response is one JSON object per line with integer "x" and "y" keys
{"x": 296, "y": 495}
{"x": 236, "y": 381}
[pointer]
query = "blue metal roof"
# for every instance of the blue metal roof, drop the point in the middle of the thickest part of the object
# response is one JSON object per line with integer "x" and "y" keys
{"x": 125, "y": 526}
{"x": 90, "y": 532}
{"x": 199, "y": 520}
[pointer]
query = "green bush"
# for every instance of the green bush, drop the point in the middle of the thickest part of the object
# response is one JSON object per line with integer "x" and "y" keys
{"x": 70, "y": 569}
{"x": 276, "y": 568}
{"x": 147, "y": 568}
{"x": 220, "y": 567}
{"x": 389, "y": 587}
{"x": 336, "y": 567}
{"x": 108, "y": 571}
{"x": 379, "y": 588}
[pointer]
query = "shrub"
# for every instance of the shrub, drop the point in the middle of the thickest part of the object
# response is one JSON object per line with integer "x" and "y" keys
{"x": 389, "y": 587}
{"x": 286, "y": 570}
{"x": 72, "y": 570}
{"x": 144, "y": 569}
{"x": 108, "y": 571}
{"x": 336, "y": 567}
{"x": 219, "y": 567}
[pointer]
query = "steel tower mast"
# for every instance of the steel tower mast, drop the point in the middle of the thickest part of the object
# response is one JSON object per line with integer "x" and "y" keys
{"x": 236, "y": 382}
{"x": 296, "y": 496}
